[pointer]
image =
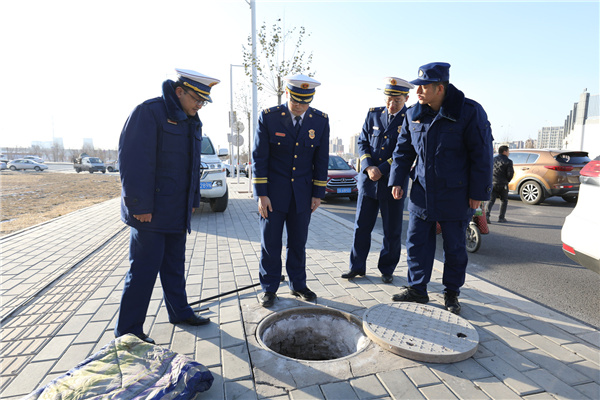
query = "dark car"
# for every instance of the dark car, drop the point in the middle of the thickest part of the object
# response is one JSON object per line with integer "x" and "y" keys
{"x": 341, "y": 179}
{"x": 540, "y": 174}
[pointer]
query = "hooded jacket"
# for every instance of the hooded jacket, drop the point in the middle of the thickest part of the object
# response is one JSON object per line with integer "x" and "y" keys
{"x": 452, "y": 155}
{"x": 159, "y": 160}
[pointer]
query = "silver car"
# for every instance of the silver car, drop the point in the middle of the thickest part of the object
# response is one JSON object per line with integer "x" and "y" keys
{"x": 16, "y": 165}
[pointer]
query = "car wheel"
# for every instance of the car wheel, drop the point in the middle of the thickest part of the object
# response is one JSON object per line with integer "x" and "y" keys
{"x": 220, "y": 204}
{"x": 104, "y": 171}
{"x": 91, "y": 171}
{"x": 37, "y": 168}
{"x": 77, "y": 170}
{"x": 110, "y": 169}
{"x": 13, "y": 168}
{"x": 531, "y": 193}
{"x": 473, "y": 238}
{"x": 572, "y": 198}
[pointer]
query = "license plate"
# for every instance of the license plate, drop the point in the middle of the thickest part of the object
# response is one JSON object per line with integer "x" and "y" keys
{"x": 344, "y": 190}
{"x": 205, "y": 185}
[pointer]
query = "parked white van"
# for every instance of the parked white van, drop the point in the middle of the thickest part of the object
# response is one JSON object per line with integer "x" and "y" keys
{"x": 213, "y": 176}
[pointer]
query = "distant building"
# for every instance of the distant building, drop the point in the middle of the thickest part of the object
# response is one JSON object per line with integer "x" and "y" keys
{"x": 336, "y": 145}
{"x": 354, "y": 145}
{"x": 550, "y": 137}
{"x": 582, "y": 125}
{"x": 88, "y": 143}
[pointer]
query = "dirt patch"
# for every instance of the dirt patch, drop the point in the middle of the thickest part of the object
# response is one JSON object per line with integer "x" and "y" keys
{"x": 29, "y": 198}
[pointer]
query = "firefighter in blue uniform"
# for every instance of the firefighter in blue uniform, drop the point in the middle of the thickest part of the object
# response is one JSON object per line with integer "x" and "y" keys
{"x": 159, "y": 159}
{"x": 376, "y": 145}
{"x": 290, "y": 158}
{"x": 449, "y": 139}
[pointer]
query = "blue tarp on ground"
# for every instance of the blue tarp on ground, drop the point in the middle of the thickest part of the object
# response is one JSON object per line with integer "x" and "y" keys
{"x": 129, "y": 368}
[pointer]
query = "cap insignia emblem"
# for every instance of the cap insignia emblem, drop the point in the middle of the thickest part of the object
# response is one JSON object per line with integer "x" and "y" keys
{"x": 304, "y": 86}
{"x": 393, "y": 81}
{"x": 311, "y": 133}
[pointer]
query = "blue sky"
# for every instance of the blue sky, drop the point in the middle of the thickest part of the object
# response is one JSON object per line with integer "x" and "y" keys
{"x": 76, "y": 70}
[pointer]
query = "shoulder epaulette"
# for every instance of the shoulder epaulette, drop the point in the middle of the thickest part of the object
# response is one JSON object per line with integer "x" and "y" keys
{"x": 321, "y": 113}
{"x": 377, "y": 109}
{"x": 268, "y": 110}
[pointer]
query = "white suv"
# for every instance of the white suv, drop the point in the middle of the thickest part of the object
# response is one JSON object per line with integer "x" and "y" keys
{"x": 213, "y": 176}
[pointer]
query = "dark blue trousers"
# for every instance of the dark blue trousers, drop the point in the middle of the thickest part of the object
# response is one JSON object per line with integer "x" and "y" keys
{"x": 420, "y": 247}
{"x": 367, "y": 209}
{"x": 150, "y": 254}
{"x": 271, "y": 231}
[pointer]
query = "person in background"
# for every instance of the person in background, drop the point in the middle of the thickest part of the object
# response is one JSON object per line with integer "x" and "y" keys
{"x": 503, "y": 173}
{"x": 289, "y": 173}
{"x": 449, "y": 139}
{"x": 376, "y": 144}
{"x": 159, "y": 159}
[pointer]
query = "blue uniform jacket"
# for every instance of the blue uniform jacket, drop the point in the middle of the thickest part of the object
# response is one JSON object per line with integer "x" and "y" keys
{"x": 376, "y": 145}
{"x": 159, "y": 160}
{"x": 452, "y": 151}
{"x": 284, "y": 165}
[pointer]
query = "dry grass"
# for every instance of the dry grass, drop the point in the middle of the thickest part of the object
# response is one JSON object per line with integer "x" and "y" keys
{"x": 29, "y": 198}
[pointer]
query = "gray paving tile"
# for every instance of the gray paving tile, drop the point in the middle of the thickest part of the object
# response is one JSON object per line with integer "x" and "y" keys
{"x": 338, "y": 391}
{"x": 553, "y": 349}
{"x": 368, "y": 387}
{"x": 511, "y": 377}
{"x": 496, "y": 389}
{"x": 555, "y": 387}
{"x": 399, "y": 385}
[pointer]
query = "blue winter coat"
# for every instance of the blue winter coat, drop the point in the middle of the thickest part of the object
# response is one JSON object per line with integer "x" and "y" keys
{"x": 284, "y": 165}
{"x": 452, "y": 151}
{"x": 159, "y": 161}
{"x": 376, "y": 145}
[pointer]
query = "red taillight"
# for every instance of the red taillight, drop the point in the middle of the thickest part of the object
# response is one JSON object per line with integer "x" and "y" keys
{"x": 559, "y": 167}
{"x": 591, "y": 169}
{"x": 568, "y": 249}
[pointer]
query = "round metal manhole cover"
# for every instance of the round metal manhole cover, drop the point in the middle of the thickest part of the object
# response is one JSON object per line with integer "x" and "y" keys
{"x": 421, "y": 332}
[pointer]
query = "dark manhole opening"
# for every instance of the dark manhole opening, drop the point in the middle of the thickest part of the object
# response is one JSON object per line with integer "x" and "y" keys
{"x": 312, "y": 334}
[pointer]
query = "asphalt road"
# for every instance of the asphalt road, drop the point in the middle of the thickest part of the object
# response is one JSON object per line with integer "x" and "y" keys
{"x": 523, "y": 256}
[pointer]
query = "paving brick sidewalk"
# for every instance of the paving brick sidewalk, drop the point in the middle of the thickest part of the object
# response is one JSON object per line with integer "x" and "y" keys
{"x": 62, "y": 281}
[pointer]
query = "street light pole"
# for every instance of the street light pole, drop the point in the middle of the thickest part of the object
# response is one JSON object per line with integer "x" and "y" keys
{"x": 254, "y": 91}
{"x": 231, "y": 117}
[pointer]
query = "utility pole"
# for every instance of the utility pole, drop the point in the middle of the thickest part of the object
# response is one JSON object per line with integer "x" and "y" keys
{"x": 254, "y": 94}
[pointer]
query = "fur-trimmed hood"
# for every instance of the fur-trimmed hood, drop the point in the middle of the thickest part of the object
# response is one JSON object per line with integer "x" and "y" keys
{"x": 451, "y": 109}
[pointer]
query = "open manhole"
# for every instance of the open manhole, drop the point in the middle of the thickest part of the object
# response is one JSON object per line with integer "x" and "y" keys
{"x": 312, "y": 334}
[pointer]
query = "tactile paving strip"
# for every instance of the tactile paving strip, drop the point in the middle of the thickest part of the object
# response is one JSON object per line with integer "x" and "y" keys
{"x": 421, "y": 332}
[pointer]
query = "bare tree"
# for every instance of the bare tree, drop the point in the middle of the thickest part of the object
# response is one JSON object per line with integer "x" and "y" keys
{"x": 272, "y": 61}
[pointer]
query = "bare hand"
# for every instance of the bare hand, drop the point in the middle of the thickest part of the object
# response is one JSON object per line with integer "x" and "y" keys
{"x": 264, "y": 206}
{"x": 397, "y": 192}
{"x": 143, "y": 217}
{"x": 474, "y": 204}
{"x": 316, "y": 202}
{"x": 374, "y": 173}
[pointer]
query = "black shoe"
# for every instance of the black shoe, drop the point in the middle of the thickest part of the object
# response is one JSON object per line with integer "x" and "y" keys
{"x": 502, "y": 220}
{"x": 196, "y": 320}
{"x": 146, "y": 338}
{"x": 352, "y": 274}
{"x": 410, "y": 295}
{"x": 306, "y": 294}
{"x": 488, "y": 220}
{"x": 451, "y": 302}
{"x": 387, "y": 278}
{"x": 267, "y": 299}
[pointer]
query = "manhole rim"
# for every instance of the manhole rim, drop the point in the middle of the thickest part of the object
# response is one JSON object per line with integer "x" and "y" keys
{"x": 279, "y": 315}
